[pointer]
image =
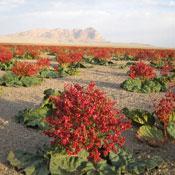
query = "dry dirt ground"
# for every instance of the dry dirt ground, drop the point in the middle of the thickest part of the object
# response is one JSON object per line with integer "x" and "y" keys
{"x": 14, "y": 136}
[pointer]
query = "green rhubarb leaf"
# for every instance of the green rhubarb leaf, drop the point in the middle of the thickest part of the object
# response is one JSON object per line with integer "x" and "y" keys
{"x": 171, "y": 129}
{"x": 48, "y": 74}
{"x": 36, "y": 118}
{"x": 150, "y": 86}
{"x": 133, "y": 85}
{"x": 101, "y": 168}
{"x": 105, "y": 169}
{"x": 50, "y": 92}
{"x": 10, "y": 79}
{"x": 151, "y": 135}
{"x": 139, "y": 117}
{"x": 1, "y": 91}
{"x": 121, "y": 160}
{"x": 33, "y": 117}
{"x": 141, "y": 166}
{"x": 30, "y": 164}
{"x": 63, "y": 164}
{"x": 172, "y": 117}
{"x": 30, "y": 81}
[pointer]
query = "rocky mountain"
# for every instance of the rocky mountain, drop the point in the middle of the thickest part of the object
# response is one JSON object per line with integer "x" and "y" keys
{"x": 87, "y": 35}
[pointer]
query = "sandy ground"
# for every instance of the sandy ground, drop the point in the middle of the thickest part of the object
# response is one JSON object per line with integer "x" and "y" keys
{"x": 14, "y": 136}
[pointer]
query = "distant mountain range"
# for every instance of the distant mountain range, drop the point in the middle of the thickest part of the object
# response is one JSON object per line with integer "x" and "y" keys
{"x": 87, "y": 35}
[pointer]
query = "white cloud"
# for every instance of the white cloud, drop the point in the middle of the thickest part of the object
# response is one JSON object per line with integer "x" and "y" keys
{"x": 7, "y": 5}
{"x": 11, "y": 2}
{"x": 163, "y": 3}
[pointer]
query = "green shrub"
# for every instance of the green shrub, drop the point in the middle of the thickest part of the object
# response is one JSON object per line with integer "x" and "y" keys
{"x": 145, "y": 86}
{"x": 10, "y": 79}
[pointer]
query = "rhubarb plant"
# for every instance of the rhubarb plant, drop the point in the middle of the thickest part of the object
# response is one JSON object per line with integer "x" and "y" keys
{"x": 143, "y": 79}
{"x": 155, "y": 128}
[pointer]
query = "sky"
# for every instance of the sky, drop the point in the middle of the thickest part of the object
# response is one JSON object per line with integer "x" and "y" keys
{"x": 121, "y": 21}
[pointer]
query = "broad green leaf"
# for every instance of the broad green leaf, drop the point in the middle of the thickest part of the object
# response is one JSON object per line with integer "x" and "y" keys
{"x": 13, "y": 160}
{"x": 29, "y": 81}
{"x": 171, "y": 129}
{"x": 1, "y": 91}
{"x": 141, "y": 166}
{"x": 151, "y": 86}
{"x": 172, "y": 117}
{"x": 30, "y": 164}
{"x": 104, "y": 169}
{"x": 48, "y": 74}
{"x": 61, "y": 163}
{"x": 120, "y": 160}
{"x": 150, "y": 134}
{"x": 6, "y": 66}
{"x": 33, "y": 117}
{"x": 10, "y": 79}
{"x": 133, "y": 85}
{"x": 139, "y": 117}
{"x": 101, "y": 168}
{"x": 157, "y": 64}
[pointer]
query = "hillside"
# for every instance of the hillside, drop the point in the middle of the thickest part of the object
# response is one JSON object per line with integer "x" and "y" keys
{"x": 87, "y": 35}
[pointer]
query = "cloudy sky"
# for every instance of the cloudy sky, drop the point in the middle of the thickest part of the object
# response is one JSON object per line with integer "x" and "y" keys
{"x": 141, "y": 21}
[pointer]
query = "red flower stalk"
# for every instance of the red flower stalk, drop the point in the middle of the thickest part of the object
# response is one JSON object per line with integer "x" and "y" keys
{"x": 43, "y": 63}
{"x": 5, "y": 55}
{"x": 165, "y": 108}
{"x": 142, "y": 70}
{"x": 25, "y": 69}
{"x": 165, "y": 70}
{"x": 102, "y": 54}
{"x": 85, "y": 119}
{"x": 69, "y": 58}
{"x": 20, "y": 51}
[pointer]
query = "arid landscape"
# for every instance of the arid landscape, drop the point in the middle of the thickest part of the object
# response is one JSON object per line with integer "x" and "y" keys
{"x": 87, "y": 87}
{"x": 108, "y": 68}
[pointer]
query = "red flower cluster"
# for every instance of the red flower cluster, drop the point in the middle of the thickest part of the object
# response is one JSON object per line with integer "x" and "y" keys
{"x": 165, "y": 70}
{"x": 86, "y": 120}
{"x": 102, "y": 54}
{"x": 20, "y": 51}
{"x": 142, "y": 70}
{"x": 25, "y": 69}
{"x": 43, "y": 63}
{"x": 145, "y": 55}
{"x": 5, "y": 55}
{"x": 165, "y": 108}
{"x": 69, "y": 58}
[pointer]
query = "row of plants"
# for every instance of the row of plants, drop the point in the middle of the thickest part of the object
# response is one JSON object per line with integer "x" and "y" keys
{"x": 98, "y": 58}
{"x": 22, "y": 73}
{"x": 145, "y": 79}
{"x": 35, "y": 51}
{"x": 86, "y": 131}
